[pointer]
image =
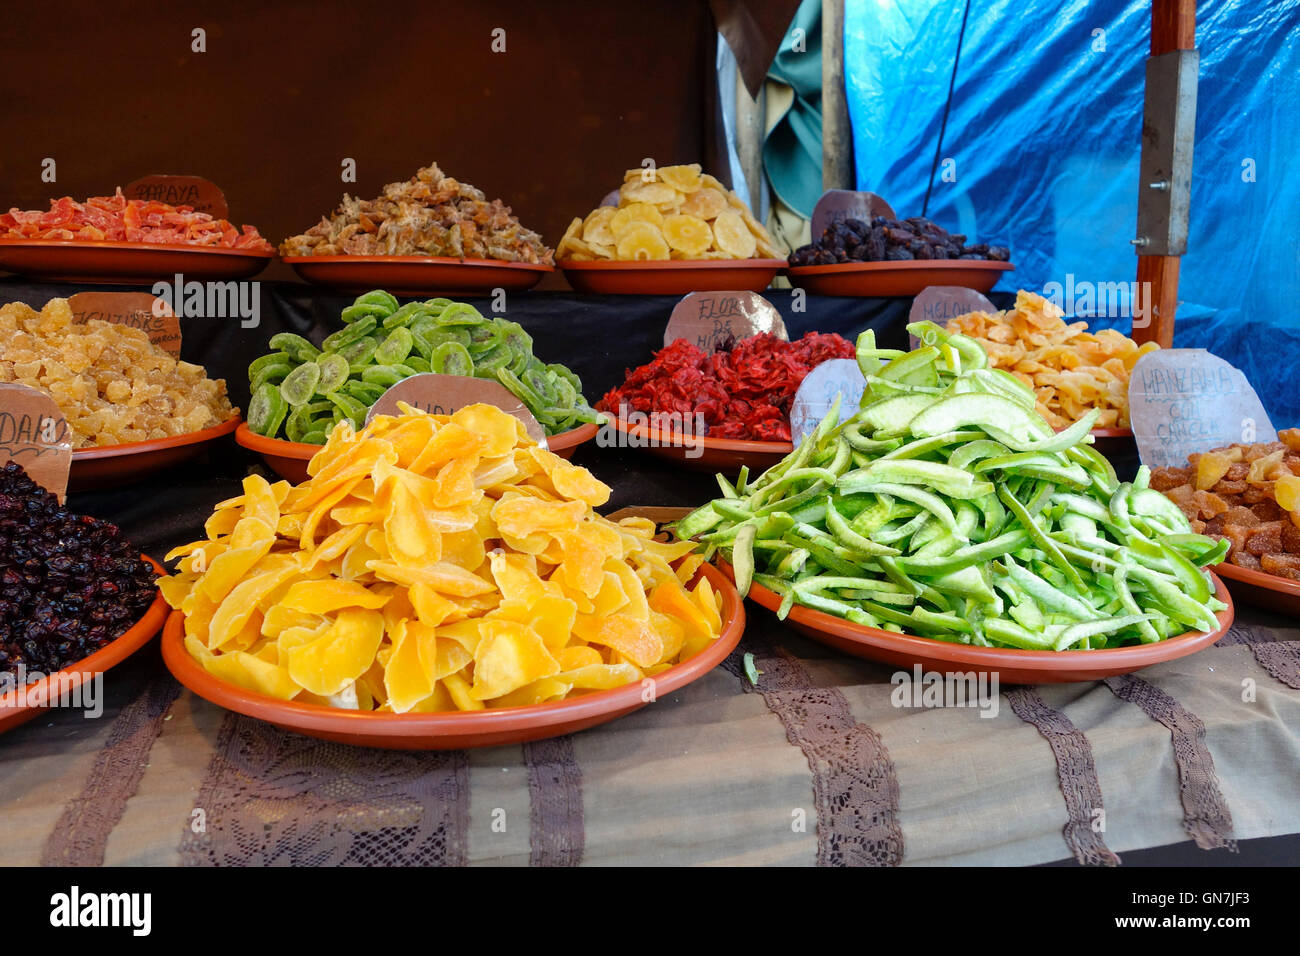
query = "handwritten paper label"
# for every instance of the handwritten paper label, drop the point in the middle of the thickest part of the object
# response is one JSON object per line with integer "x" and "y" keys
{"x": 659, "y": 515}
{"x": 816, "y": 394}
{"x": 195, "y": 191}
{"x": 939, "y": 303}
{"x": 1188, "y": 400}
{"x": 714, "y": 320}
{"x": 837, "y": 205}
{"x": 611, "y": 198}
{"x": 137, "y": 310}
{"x": 440, "y": 394}
{"x": 34, "y": 433}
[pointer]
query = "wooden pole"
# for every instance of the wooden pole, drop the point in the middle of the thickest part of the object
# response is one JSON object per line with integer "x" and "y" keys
{"x": 750, "y": 119}
{"x": 837, "y": 134}
{"x": 1173, "y": 27}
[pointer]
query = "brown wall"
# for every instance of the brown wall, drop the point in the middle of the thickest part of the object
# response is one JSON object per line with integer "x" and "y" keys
{"x": 286, "y": 90}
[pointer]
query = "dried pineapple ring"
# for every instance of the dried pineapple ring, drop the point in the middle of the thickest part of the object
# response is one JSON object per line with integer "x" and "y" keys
{"x": 595, "y": 228}
{"x": 688, "y": 234}
{"x": 682, "y": 178}
{"x": 652, "y": 193}
{"x": 634, "y": 212}
{"x": 732, "y": 236}
{"x": 642, "y": 241}
{"x": 705, "y": 203}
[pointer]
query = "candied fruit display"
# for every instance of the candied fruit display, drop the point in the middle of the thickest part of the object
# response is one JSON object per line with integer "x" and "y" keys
{"x": 112, "y": 384}
{"x": 69, "y": 584}
{"x": 436, "y": 563}
{"x": 430, "y": 214}
{"x": 1248, "y": 495}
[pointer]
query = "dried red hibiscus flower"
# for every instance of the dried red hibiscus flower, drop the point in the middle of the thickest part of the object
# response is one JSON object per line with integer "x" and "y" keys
{"x": 741, "y": 393}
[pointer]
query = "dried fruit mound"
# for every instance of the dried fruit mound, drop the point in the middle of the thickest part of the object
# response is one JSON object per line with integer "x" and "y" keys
{"x": 69, "y": 584}
{"x": 118, "y": 219}
{"x": 881, "y": 239}
{"x": 1247, "y": 494}
{"x": 112, "y": 384}
{"x": 429, "y": 214}
{"x": 436, "y": 563}
{"x": 743, "y": 393}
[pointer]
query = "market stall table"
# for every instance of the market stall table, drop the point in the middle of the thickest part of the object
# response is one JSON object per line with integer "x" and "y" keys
{"x": 813, "y": 765}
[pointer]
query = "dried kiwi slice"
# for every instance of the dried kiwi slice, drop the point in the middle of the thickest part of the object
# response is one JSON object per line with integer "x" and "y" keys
{"x": 294, "y": 346}
{"x": 300, "y": 385}
{"x": 483, "y": 338}
{"x": 451, "y": 358}
{"x": 485, "y": 366}
{"x": 395, "y": 348}
{"x": 364, "y": 392}
{"x": 386, "y": 375}
{"x": 349, "y": 408}
{"x": 273, "y": 374}
{"x": 334, "y": 371}
{"x": 516, "y": 337}
{"x": 418, "y": 363}
{"x": 337, "y": 341}
{"x": 274, "y": 358}
{"x": 360, "y": 353}
{"x": 266, "y": 411}
{"x": 460, "y": 313}
{"x": 317, "y": 436}
{"x": 302, "y": 419}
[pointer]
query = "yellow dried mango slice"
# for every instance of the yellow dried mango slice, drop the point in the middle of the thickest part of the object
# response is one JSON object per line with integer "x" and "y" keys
{"x": 248, "y": 671}
{"x": 406, "y": 679}
{"x": 410, "y": 539}
{"x": 279, "y": 618}
{"x": 459, "y": 690}
{"x": 240, "y": 603}
{"x": 521, "y": 516}
{"x": 632, "y": 638}
{"x": 550, "y": 616}
{"x": 538, "y": 692}
{"x": 430, "y": 607}
{"x": 671, "y": 632}
{"x": 444, "y": 578}
{"x": 601, "y": 676}
{"x": 340, "y": 655}
{"x": 509, "y": 656}
{"x": 324, "y": 596}
{"x": 576, "y": 656}
{"x": 497, "y": 429}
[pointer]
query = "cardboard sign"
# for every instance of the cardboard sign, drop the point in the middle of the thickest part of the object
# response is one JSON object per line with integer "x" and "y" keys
{"x": 659, "y": 515}
{"x": 1188, "y": 400}
{"x": 713, "y": 320}
{"x": 442, "y": 394}
{"x": 839, "y": 204}
{"x": 816, "y": 394}
{"x": 34, "y": 433}
{"x": 611, "y": 198}
{"x": 939, "y": 303}
{"x": 138, "y": 310}
{"x": 194, "y": 191}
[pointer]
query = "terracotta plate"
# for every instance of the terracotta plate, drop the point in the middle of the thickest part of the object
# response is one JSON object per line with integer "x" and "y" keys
{"x": 113, "y": 465}
{"x": 672, "y": 276}
{"x": 126, "y": 263}
{"x": 453, "y": 731}
{"x": 417, "y": 275}
{"x": 1265, "y": 590}
{"x": 12, "y": 715}
{"x": 704, "y": 454}
{"x": 906, "y": 278}
{"x": 1012, "y": 665}
{"x": 289, "y": 459}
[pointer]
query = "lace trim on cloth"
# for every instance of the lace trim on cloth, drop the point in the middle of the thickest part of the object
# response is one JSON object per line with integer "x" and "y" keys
{"x": 557, "y": 835}
{"x": 855, "y": 786}
{"x": 1280, "y": 658}
{"x": 270, "y": 797}
{"x": 81, "y": 835}
{"x": 1205, "y": 811}
{"x": 1076, "y": 771}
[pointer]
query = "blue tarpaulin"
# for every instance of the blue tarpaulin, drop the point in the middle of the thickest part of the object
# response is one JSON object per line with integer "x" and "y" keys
{"x": 1041, "y": 150}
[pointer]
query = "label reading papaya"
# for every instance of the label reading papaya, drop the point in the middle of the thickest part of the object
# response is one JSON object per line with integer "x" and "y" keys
{"x": 440, "y": 394}
{"x": 136, "y": 310}
{"x": 201, "y": 194}
{"x": 837, "y": 205}
{"x": 1183, "y": 401}
{"x": 813, "y": 401}
{"x": 34, "y": 433}
{"x": 715, "y": 320}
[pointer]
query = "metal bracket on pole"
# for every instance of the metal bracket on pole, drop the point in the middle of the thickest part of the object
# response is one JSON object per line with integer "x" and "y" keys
{"x": 1168, "y": 134}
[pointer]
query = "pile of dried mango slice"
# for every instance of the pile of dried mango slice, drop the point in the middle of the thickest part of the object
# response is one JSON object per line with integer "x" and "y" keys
{"x": 436, "y": 563}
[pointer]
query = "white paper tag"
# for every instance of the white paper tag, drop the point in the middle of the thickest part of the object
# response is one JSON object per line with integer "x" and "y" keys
{"x": 839, "y": 204}
{"x": 1188, "y": 400}
{"x": 816, "y": 394}
{"x": 710, "y": 320}
{"x": 939, "y": 303}
{"x": 443, "y": 394}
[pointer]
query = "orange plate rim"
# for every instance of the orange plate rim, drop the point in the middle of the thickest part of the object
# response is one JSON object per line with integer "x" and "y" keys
{"x": 116, "y": 244}
{"x": 157, "y": 444}
{"x": 418, "y": 260}
{"x": 1260, "y": 579}
{"x": 667, "y": 265}
{"x": 1044, "y": 661}
{"x": 717, "y": 444}
{"x": 311, "y": 717}
{"x": 902, "y": 265}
